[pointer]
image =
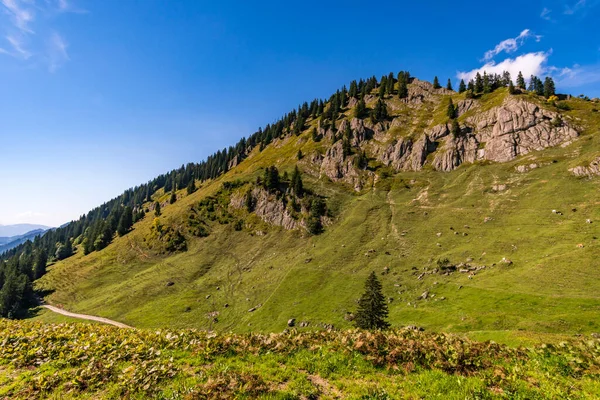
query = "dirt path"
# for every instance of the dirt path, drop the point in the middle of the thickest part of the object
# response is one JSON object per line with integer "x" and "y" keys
{"x": 83, "y": 316}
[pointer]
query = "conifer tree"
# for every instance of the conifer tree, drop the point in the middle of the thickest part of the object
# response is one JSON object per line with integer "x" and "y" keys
{"x": 478, "y": 83}
{"x": 449, "y": 84}
{"x": 451, "y": 110}
{"x": 511, "y": 88}
{"x": 39, "y": 268}
{"x": 436, "y": 83}
{"x": 125, "y": 222}
{"x": 173, "y": 197}
{"x": 372, "y": 308}
{"x": 299, "y": 155}
{"x": 549, "y": 88}
{"x": 361, "y": 109}
{"x": 532, "y": 81}
{"x": 487, "y": 87}
{"x": 455, "y": 129}
{"x": 297, "y": 185}
{"x": 403, "y": 77}
{"x": 379, "y": 113}
{"x": 191, "y": 187}
{"x": 157, "y": 208}
{"x": 315, "y": 135}
{"x": 520, "y": 81}
{"x": 462, "y": 87}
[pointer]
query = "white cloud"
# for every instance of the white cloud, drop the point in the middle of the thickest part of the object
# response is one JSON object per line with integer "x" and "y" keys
{"x": 18, "y": 46}
{"x": 570, "y": 10}
{"x": 22, "y": 41}
{"x": 577, "y": 76}
{"x": 528, "y": 64}
{"x": 57, "y": 52}
{"x": 510, "y": 45}
{"x": 546, "y": 14}
{"x": 20, "y": 16}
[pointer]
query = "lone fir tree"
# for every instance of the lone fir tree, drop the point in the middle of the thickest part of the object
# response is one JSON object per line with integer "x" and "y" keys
{"x": 372, "y": 308}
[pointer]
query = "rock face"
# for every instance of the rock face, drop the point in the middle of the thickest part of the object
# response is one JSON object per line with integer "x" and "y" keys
{"x": 269, "y": 208}
{"x": 341, "y": 169}
{"x": 593, "y": 169}
{"x": 501, "y": 134}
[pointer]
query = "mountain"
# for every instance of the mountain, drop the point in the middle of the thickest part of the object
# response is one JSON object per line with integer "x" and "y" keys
{"x": 19, "y": 229}
{"x": 7, "y": 243}
{"x": 477, "y": 210}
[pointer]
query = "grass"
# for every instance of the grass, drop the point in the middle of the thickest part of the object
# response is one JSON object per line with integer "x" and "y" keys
{"x": 549, "y": 291}
{"x": 72, "y": 361}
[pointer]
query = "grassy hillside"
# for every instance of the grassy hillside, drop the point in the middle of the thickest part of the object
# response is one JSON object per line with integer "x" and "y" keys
{"x": 70, "y": 361}
{"x": 406, "y": 222}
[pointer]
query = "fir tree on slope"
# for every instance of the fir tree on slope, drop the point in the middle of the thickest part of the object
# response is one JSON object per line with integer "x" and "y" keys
{"x": 372, "y": 308}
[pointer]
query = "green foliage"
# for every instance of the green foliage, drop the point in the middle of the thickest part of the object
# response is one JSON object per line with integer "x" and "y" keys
{"x": 436, "y": 83}
{"x": 271, "y": 178}
{"x": 360, "y": 110}
{"x": 403, "y": 79}
{"x": 549, "y": 87}
{"x": 191, "y": 187}
{"x": 372, "y": 307}
{"x": 157, "y": 209}
{"x": 449, "y": 84}
{"x": 64, "y": 250}
{"x": 380, "y": 112}
{"x": 317, "y": 209}
{"x": 462, "y": 87}
{"x": 125, "y": 222}
{"x": 455, "y": 128}
{"x": 521, "y": 81}
{"x": 39, "y": 268}
{"x": 511, "y": 88}
{"x": 173, "y": 197}
{"x": 451, "y": 111}
{"x": 315, "y": 135}
{"x": 299, "y": 155}
{"x": 296, "y": 182}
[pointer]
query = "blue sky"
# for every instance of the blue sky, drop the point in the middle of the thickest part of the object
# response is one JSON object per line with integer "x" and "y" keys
{"x": 98, "y": 96}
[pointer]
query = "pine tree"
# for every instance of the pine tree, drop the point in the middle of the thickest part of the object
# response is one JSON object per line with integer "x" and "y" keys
{"x": 520, "y": 81}
{"x": 191, "y": 187}
{"x": 271, "y": 178}
{"x": 157, "y": 208}
{"x": 449, "y": 85}
{"x": 478, "y": 83}
{"x": 403, "y": 77}
{"x": 487, "y": 87}
{"x": 296, "y": 182}
{"x": 451, "y": 110}
{"x": 125, "y": 222}
{"x": 173, "y": 197}
{"x": 455, "y": 129}
{"x": 315, "y": 135}
{"x": 549, "y": 88}
{"x": 511, "y": 88}
{"x": 39, "y": 268}
{"x": 532, "y": 80}
{"x": 372, "y": 308}
{"x": 436, "y": 83}
{"x": 462, "y": 87}
{"x": 361, "y": 109}
{"x": 379, "y": 113}
{"x": 299, "y": 155}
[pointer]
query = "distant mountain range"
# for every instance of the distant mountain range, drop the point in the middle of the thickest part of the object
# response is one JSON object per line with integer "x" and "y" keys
{"x": 13, "y": 235}
{"x": 19, "y": 229}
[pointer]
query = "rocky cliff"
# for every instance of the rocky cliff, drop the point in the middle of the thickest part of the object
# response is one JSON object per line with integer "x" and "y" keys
{"x": 500, "y": 134}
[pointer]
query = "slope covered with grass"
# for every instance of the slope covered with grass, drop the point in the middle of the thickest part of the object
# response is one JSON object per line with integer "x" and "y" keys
{"x": 540, "y": 276}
